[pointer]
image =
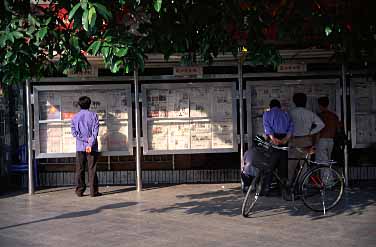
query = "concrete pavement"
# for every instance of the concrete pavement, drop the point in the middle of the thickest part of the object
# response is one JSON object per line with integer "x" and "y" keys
{"x": 180, "y": 215}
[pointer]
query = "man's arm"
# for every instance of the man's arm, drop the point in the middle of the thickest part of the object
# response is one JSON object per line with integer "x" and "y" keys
{"x": 290, "y": 130}
{"x": 94, "y": 132}
{"x": 317, "y": 123}
{"x": 267, "y": 126}
{"x": 75, "y": 133}
{"x": 268, "y": 129}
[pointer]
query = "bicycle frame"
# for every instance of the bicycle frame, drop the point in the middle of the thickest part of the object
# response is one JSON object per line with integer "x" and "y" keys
{"x": 298, "y": 175}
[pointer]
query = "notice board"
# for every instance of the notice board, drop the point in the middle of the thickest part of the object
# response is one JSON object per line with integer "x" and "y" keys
{"x": 260, "y": 93}
{"x": 189, "y": 118}
{"x": 55, "y": 106}
{"x": 363, "y": 112}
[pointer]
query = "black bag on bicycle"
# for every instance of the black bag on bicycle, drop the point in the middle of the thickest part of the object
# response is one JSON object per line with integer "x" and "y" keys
{"x": 261, "y": 154}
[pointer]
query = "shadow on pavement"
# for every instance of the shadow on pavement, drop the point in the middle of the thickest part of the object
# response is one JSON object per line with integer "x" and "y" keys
{"x": 354, "y": 201}
{"x": 52, "y": 190}
{"x": 228, "y": 203}
{"x": 222, "y": 202}
{"x": 75, "y": 214}
{"x": 123, "y": 190}
{"x": 39, "y": 191}
{"x": 8, "y": 194}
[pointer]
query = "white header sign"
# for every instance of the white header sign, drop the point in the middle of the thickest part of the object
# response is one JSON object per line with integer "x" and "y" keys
{"x": 292, "y": 67}
{"x": 188, "y": 71}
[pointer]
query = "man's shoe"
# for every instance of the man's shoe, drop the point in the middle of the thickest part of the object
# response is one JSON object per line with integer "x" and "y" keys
{"x": 80, "y": 194}
{"x": 96, "y": 194}
{"x": 265, "y": 193}
{"x": 286, "y": 196}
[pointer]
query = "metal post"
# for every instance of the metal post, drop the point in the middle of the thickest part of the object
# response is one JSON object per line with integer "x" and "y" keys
{"x": 137, "y": 117}
{"x": 173, "y": 162}
{"x": 344, "y": 104}
{"x": 29, "y": 137}
{"x": 240, "y": 79}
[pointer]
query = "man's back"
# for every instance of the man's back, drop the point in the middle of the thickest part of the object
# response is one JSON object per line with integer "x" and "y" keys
{"x": 331, "y": 122}
{"x": 305, "y": 122}
{"x": 85, "y": 127}
{"x": 277, "y": 121}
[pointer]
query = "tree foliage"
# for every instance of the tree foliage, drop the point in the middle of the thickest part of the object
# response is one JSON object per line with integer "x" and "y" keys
{"x": 40, "y": 40}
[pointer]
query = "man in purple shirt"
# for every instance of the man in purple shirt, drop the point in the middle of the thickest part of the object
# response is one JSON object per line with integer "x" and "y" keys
{"x": 85, "y": 127}
{"x": 279, "y": 127}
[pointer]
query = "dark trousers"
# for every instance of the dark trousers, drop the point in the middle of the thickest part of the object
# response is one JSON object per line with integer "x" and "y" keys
{"x": 83, "y": 158}
{"x": 278, "y": 159}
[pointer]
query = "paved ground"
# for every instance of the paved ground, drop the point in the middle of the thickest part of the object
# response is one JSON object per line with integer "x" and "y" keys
{"x": 180, "y": 215}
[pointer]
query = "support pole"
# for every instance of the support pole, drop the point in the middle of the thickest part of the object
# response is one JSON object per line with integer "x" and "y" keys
{"x": 137, "y": 117}
{"x": 240, "y": 80}
{"x": 29, "y": 138}
{"x": 344, "y": 105}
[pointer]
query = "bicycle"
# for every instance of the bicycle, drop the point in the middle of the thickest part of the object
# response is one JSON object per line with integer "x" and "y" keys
{"x": 320, "y": 186}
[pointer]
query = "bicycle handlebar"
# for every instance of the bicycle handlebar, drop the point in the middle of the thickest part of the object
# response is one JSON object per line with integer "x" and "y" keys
{"x": 268, "y": 144}
{"x": 307, "y": 151}
{"x": 285, "y": 148}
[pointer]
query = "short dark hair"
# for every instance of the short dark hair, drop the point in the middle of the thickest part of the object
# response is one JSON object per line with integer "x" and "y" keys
{"x": 300, "y": 99}
{"x": 84, "y": 102}
{"x": 275, "y": 103}
{"x": 323, "y": 101}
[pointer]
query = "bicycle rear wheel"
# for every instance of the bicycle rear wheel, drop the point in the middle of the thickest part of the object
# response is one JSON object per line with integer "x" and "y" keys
{"x": 322, "y": 188}
{"x": 252, "y": 195}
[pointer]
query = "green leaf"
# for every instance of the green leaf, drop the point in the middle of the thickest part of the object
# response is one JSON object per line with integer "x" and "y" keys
{"x": 121, "y": 52}
{"x": 10, "y": 37}
{"x": 73, "y": 11}
{"x": 47, "y": 21}
{"x": 92, "y": 16}
{"x": 17, "y": 35}
{"x": 328, "y": 30}
{"x": 102, "y": 10}
{"x": 105, "y": 51}
{"x": 157, "y": 5}
{"x": 94, "y": 47}
{"x": 85, "y": 21}
{"x": 74, "y": 43}
{"x": 24, "y": 52}
{"x": 115, "y": 67}
{"x": 83, "y": 4}
{"x": 3, "y": 39}
{"x": 42, "y": 33}
{"x": 13, "y": 58}
{"x": 8, "y": 54}
{"x": 140, "y": 61}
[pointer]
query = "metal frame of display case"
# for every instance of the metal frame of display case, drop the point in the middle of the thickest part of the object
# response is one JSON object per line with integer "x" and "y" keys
{"x": 145, "y": 87}
{"x": 288, "y": 82}
{"x": 37, "y": 122}
{"x": 354, "y": 141}
{"x": 3, "y": 120}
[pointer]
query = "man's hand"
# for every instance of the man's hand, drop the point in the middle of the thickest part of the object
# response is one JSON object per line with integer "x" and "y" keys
{"x": 286, "y": 139}
{"x": 88, "y": 150}
{"x": 274, "y": 140}
{"x": 310, "y": 150}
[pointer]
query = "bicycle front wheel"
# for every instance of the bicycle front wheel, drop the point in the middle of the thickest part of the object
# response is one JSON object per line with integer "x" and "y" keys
{"x": 251, "y": 197}
{"x": 322, "y": 188}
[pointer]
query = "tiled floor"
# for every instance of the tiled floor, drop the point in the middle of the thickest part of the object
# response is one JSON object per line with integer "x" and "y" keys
{"x": 181, "y": 215}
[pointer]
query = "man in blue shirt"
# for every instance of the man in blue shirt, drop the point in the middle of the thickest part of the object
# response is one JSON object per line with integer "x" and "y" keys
{"x": 279, "y": 127}
{"x": 85, "y": 127}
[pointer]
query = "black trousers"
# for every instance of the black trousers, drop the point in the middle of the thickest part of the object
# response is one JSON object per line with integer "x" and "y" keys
{"x": 83, "y": 158}
{"x": 278, "y": 159}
